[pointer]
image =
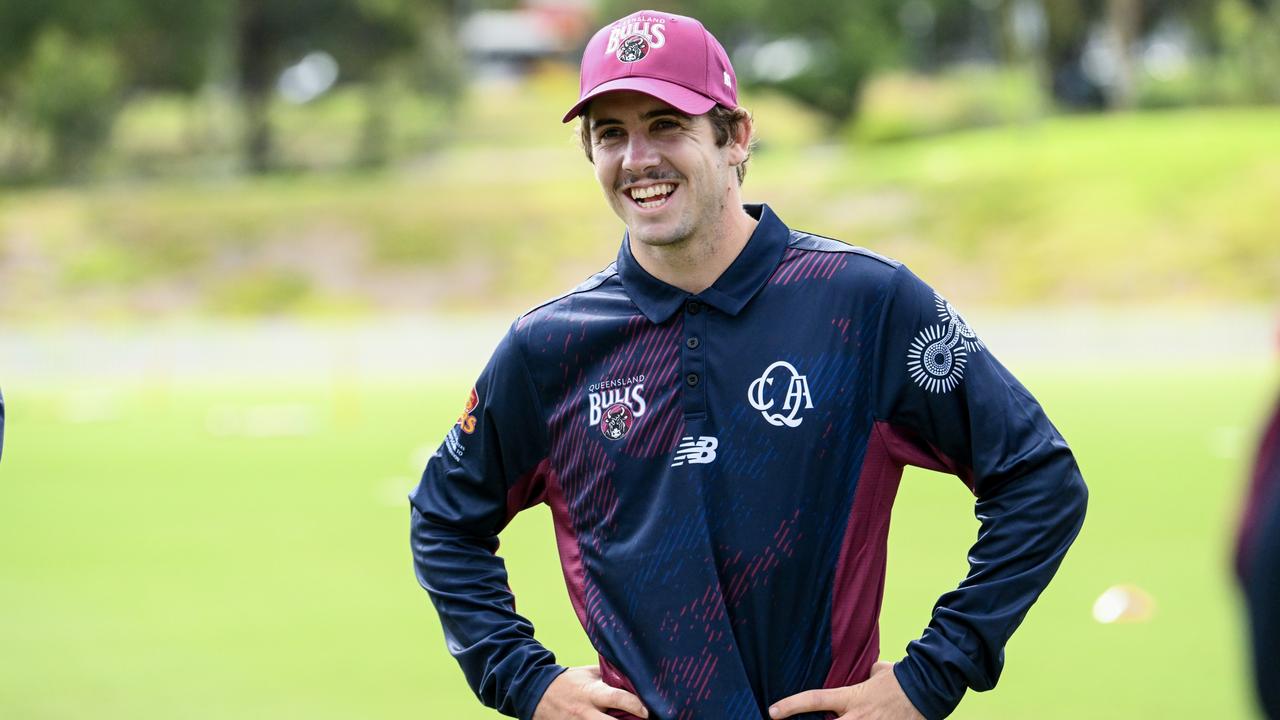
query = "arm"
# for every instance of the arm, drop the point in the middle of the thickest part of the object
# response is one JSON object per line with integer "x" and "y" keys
{"x": 489, "y": 467}
{"x": 946, "y": 404}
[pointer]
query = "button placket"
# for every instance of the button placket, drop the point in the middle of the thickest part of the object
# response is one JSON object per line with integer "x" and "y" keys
{"x": 693, "y": 361}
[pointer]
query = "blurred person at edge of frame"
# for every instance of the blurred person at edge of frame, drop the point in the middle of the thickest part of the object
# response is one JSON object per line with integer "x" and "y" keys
{"x": 719, "y": 422}
{"x": 1258, "y": 565}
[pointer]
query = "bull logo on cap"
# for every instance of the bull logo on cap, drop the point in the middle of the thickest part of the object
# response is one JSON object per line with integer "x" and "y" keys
{"x": 633, "y": 48}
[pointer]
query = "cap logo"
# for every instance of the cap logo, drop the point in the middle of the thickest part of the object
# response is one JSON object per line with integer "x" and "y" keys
{"x": 633, "y": 48}
{"x": 650, "y": 34}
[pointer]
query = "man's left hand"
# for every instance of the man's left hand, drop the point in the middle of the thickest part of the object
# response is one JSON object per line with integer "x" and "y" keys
{"x": 879, "y": 698}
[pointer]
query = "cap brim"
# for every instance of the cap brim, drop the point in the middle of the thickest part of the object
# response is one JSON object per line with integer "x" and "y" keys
{"x": 677, "y": 96}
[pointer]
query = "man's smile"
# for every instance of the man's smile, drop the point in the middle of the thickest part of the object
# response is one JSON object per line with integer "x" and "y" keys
{"x": 652, "y": 197}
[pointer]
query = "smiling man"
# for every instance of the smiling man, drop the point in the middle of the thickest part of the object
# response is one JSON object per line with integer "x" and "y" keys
{"x": 718, "y": 422}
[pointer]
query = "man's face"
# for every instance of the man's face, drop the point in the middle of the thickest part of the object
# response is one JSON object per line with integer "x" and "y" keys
{"x": 660, "y": 169}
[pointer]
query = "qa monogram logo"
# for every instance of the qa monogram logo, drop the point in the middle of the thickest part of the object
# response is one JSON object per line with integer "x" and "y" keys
{"x": 797, "y": 397}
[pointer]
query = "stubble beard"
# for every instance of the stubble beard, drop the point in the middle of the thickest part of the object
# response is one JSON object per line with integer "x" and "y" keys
{"x": 687, "y": 229}
{"x": 659, "y": 239}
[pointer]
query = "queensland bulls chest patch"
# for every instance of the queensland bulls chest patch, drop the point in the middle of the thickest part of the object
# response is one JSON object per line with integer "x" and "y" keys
{"x": 615, "y": 405}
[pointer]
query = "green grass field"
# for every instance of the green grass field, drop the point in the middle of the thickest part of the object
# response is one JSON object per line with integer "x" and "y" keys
{"x": 240, "y": 551}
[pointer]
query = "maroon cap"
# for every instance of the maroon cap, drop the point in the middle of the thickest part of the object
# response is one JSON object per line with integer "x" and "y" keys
{"x": 671, "y": 57}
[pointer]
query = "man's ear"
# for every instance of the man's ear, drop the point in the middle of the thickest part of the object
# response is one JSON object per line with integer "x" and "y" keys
{"x": 740, "y": 144}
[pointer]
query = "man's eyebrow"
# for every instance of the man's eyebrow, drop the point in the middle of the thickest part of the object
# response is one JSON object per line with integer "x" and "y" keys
{"x": 659, "y": 112}
{"x": 665, "y": 111}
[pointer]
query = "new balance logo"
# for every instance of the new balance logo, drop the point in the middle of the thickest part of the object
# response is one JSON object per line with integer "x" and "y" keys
{"x": 695, "y": 451}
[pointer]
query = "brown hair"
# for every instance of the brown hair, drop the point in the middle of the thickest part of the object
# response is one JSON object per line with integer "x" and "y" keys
{"x": 724, "y": 122}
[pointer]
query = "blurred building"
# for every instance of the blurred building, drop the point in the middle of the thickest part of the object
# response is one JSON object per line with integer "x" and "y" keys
{"x": 502, "y": 44}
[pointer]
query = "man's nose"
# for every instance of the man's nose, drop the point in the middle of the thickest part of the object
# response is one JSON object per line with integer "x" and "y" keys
{"x": 641, "y": 154}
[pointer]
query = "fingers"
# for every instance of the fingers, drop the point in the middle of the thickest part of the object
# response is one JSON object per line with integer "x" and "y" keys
{"x": 580, "y": 693}
{"x": 809, "y": 701}
{"x": 881, "y": 666}
{"x": 605, "y": 696}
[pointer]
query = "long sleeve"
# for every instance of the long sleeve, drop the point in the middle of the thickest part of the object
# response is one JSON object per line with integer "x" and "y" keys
{"x": 489, "y": 467}
{"x": 948, "y": 405}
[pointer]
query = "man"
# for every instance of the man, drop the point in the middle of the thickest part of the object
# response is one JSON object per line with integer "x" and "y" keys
{"x": 719, "y": 421}
{"x": 1258, "y": 567}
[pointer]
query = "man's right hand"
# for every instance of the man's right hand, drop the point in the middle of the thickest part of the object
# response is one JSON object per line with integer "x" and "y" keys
{"x": 579, "y": 694}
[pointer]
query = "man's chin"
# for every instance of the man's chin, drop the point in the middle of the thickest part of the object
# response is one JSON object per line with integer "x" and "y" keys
{"x": 655, "y": 234}
{"x": 652, "y": 239}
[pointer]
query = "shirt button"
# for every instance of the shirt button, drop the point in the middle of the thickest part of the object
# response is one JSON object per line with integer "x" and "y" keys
{"x": 694, "y": 307}
{"x": 692, "y": 379}
{"x": 692, "y": 343}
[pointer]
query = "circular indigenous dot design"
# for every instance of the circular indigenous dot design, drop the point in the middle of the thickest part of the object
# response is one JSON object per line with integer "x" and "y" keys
{"x": 633, "y": 48}
{"x": 935, "y": 361}
{"x": 949, "y": 316}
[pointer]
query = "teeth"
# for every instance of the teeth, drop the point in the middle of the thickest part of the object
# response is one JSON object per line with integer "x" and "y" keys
{"x": 645, "y": 192}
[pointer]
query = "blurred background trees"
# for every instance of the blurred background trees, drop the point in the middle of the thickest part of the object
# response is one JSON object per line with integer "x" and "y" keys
{"x": 67, "y": 69}
{"x": 364, "y": 38}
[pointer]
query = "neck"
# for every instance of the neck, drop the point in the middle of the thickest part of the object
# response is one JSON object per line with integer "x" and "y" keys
{"x": 695, "y": 263}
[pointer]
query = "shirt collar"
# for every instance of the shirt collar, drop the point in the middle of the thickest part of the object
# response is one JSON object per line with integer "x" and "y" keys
{"x": 731, "y": 291}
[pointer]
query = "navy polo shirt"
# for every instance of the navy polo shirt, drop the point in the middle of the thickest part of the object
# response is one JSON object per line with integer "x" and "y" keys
{"x": 720, "y": 469}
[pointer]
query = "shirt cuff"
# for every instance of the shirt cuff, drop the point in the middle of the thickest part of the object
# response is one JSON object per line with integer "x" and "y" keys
{"x": 934, "y": 692}
{"x": 535, "y": 689}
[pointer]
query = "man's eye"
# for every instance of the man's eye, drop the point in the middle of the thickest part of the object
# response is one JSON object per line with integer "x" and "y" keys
{"x": 608, "y": 134}
{"x": 665, "y": 125}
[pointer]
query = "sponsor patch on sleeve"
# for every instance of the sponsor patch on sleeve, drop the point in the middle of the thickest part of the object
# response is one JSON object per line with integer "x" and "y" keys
{"x": 466, "y": 421}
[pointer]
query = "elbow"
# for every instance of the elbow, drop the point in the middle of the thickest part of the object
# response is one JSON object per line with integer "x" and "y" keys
{"x": 1076, "y": 497}
{"x": 1070, "y": 495}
